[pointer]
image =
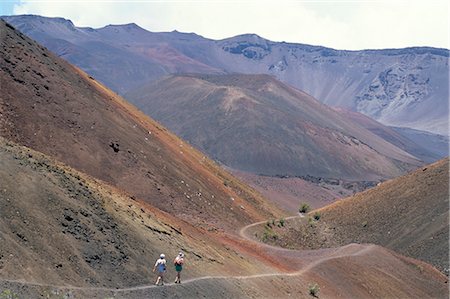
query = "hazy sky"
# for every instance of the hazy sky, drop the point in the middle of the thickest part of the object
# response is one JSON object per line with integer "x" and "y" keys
{"x": 337, "y": 24}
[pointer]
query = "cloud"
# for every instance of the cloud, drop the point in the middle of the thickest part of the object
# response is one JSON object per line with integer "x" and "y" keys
{"x": 338, "y": 24}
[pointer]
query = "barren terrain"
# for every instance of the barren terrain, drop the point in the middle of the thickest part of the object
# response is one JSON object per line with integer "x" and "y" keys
{"x": 92, "y": 191}
{"x": 399, "y": 87}
{"x": 289, "y": 193}
{"x": 409, "y": 214}
{"x": 257, "y": 124}
{"x": 55, "y": 108}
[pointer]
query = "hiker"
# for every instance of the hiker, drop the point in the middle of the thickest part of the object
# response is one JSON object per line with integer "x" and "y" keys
{"x": 160, "y": 266}
{"x": 178, "y": 263}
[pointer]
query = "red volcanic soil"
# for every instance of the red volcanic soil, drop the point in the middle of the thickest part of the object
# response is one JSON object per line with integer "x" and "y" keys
{"x": 408, "y": 214}
{"x": 55, "y": 108}
{"x": 91, "y": 191}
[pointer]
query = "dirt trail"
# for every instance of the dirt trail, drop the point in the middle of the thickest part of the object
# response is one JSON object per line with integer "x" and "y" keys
{"x": 342, "y": 252}
{"x": 325, "y": 255}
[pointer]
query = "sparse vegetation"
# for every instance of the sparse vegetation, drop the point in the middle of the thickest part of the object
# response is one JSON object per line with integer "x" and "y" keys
{"x": 314, "y": 290}
{"x": 8, "y": 294}
{"x": 304, "y": 207}
{"x": 269, "y": 235}
{"x": 311, "y": 222}
{"x": 420, "y": 268}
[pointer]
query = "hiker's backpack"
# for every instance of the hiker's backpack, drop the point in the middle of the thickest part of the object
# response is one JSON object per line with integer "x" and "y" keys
{"x": 161, "y": 266}
{"x": 179, "y": 261}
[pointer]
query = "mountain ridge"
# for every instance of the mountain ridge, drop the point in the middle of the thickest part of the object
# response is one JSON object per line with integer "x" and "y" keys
{"x": 93, "y": 191}
{"x": 45, "y": 101}
{"x": 393, "y": 86}
{"x": 392, "y": 51}
{"x": 237, "y": 118}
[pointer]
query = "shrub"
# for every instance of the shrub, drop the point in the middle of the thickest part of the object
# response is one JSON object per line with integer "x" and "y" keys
{"x": 269, "y": 235}
{"x": 420, "y": 268}
{"x": 314, "y": 290}
{"x": 316, "y": 216}
{"x": 304, "y": 207}
{"x": 311, "y": 222}
{"x": 281, "y": 222}
{"x": 8, "y": 294}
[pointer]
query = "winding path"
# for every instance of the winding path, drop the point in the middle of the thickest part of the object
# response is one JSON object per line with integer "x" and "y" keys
{"x": 348, "y": 250}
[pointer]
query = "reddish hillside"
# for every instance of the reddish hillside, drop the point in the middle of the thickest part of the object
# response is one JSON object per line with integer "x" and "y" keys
{"x": 55, "y": 108}
{"x": 64, "y": 233}
{"x": 59, "y": 226}
{"x": 409, "y": 214}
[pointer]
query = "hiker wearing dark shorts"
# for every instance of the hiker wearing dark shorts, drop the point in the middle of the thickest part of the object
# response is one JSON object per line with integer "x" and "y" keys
{"x": 178, "y": 263}
{"x": 160, "y": 268}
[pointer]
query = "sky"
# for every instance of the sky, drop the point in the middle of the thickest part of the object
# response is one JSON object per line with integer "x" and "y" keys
{"x": 339, "y": 24}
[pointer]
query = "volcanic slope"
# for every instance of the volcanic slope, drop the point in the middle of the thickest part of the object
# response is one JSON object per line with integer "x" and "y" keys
{"x": 50, "y": 106}
{"x": 398, "y": 87}
{"x": 409, "y": 214}
{"x": 62, "y": 227}
{"x": 428, "y": 150}
{"x": 257, "y": 124}
{"x": 122, "y": 57}
{"x": 65, "y": 234}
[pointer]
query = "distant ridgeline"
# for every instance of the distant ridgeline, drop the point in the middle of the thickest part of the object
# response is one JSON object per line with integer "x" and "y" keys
{"x": 398, "y": 87}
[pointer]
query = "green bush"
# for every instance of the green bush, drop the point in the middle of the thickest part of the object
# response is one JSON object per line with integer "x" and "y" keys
{"x": 304, "y": 207}
{"x": 316, "y": 216}
{"x": 269, "y": 235}
{"x": 281, "y": 222}
{"x": 8, "y": 294}
{"x": 314, "y": 290}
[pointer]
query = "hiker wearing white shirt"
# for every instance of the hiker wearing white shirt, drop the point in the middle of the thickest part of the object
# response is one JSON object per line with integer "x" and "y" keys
{"x": 160, "y": 267}
{"x": 178, "y": 263}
